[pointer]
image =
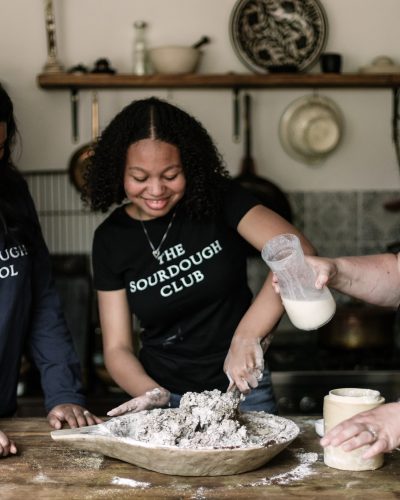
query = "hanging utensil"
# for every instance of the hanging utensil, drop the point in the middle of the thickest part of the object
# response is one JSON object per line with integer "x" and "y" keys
{"x": 74, "y": 113}
{"x": 236, "y": 115}
{"x": 266, "y": 191}
{"x": 80, "y": 159}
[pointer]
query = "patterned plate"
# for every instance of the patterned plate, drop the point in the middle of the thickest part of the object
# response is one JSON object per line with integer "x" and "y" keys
{"x": 271, "y": 34}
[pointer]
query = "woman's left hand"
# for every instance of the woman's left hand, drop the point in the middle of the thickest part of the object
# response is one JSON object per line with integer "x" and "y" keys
{"x": 156, "y": 398}
{"x": 379, "y": 428}
{"x": 73, "y": 415}
{"x": 244, "y": 364}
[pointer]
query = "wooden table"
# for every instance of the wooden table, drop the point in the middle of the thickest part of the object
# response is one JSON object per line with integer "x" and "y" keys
{"x": 44, "y": 469}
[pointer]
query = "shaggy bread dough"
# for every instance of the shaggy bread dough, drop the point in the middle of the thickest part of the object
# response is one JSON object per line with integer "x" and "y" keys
{"x": 209, "y": 419}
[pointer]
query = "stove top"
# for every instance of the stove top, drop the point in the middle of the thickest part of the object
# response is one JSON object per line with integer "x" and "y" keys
{"x": 303, "y": 392}
{"x": 315, "y": 358}
{"x": 303, "y": 374}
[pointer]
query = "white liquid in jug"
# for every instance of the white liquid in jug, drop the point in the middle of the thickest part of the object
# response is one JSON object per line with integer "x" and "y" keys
{"x": 310, "y": 314}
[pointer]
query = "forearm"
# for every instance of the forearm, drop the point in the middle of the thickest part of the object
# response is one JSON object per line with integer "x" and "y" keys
{"x": 127, "y": 371}
{"x": 262, "y": 316}
{"x": 116, "y": 326}
{"x": 372, "y": 278}
{"x": 244, "y": 363}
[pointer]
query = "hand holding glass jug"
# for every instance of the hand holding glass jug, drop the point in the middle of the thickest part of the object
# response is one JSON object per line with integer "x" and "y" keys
{"x": 308, "y": 308}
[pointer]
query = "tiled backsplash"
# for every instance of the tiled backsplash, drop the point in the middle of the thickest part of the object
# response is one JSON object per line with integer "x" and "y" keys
{"x": 347, "y": 223}
{"x": 337, "y": 223}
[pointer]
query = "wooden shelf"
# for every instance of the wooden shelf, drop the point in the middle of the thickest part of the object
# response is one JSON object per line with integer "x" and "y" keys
{"x": 54, "y": 81}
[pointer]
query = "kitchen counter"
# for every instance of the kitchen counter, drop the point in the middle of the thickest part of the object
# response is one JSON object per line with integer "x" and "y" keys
{"x": 45, "y": 469}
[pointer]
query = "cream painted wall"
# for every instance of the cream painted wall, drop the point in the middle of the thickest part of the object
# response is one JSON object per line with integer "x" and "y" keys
{"x": 89, "y": 29}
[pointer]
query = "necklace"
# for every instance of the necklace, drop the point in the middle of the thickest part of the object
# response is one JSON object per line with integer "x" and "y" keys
{"x": 157, "y": 251}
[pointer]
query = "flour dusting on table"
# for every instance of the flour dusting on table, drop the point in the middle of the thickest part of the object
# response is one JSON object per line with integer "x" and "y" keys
{"x": 306, "y": 459}
{"x": 209, "y": 419}
{"x": 132, "y": 483}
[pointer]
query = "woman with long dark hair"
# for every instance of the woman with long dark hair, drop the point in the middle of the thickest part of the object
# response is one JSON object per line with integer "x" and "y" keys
{"x": 174, "y": 254}
{"x": 30, "y": 308}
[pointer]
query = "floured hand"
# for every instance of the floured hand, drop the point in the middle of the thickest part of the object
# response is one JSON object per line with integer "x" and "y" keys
{"x": 156, "y": 398}
{"x": 244, "y": 364}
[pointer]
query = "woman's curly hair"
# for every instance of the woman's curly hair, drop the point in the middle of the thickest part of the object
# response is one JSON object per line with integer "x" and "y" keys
{"x": 153, "y": 118}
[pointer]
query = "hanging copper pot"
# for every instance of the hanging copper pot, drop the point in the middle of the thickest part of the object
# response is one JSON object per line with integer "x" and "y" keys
{"x": 359, "y": 326}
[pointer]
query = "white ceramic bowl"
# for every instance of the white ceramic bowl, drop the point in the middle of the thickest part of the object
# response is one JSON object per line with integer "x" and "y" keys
{"x": 174, "y": 59}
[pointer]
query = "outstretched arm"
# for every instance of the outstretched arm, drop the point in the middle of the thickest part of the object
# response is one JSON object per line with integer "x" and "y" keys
{"x": 372, "y": 278}
{"x": 245, "y": 360}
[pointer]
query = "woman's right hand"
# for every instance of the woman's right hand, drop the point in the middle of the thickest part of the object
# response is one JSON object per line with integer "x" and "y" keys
{"x": 244, "y": 364}
{"x": 324, "y": 268}
{"x": 156, "y": 398}
{"x": 6, "y": 445}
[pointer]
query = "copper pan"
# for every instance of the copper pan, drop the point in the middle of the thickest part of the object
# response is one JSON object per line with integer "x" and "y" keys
{"x": 359, "y": 326}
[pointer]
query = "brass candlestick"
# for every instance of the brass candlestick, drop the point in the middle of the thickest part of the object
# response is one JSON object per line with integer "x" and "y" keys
{"x": 52, "y": 64}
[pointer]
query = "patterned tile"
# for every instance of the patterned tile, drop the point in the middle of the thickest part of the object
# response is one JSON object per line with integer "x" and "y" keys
{"x": 330, "y": 216}
{"x": 297, "y": 203}
{"x": 376, "y": 223}
{"x": 336, "y": 248}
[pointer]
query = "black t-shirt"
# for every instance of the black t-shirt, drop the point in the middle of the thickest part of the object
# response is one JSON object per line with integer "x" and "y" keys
{"x": 190, "y": 303}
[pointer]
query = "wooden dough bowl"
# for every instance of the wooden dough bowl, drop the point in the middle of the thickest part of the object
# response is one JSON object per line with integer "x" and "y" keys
{"x": 179, "y": 461}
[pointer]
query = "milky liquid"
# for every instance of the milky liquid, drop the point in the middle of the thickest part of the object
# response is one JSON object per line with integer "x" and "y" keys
{"x": 310, "y": 314}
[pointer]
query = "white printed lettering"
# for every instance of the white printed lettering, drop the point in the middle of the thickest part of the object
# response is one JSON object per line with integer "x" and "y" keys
{"x": 7, "y": 271}
{"x": 174, "y": 270}
{"x": 216, "y": 246}
{"x": 185, "y": 265}
{"x": 141, "y": 284}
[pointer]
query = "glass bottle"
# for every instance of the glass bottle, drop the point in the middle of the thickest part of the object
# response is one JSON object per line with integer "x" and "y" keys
{"x": 308, "y": 308}
{"x": 140, "y": 56}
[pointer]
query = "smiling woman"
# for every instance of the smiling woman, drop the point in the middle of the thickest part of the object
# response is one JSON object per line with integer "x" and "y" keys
{"x": 154, "y": 179}
{"x": 174, "y": 254}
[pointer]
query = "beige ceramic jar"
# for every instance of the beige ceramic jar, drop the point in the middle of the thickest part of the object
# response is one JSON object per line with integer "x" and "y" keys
{"x": 339, "y": 405}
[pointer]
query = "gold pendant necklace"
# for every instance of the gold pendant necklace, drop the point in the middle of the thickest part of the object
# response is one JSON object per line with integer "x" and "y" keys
{"x": 156, "y": 251}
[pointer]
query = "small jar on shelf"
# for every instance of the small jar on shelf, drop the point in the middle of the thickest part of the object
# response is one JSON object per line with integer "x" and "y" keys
{"x": 140, "y": 51}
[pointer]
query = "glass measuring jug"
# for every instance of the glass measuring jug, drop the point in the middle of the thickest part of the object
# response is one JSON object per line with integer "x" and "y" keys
{"x": 308, "y": 308}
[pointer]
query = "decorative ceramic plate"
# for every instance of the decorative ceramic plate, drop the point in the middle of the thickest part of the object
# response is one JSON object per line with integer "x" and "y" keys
{"x": 278, "y": 35}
